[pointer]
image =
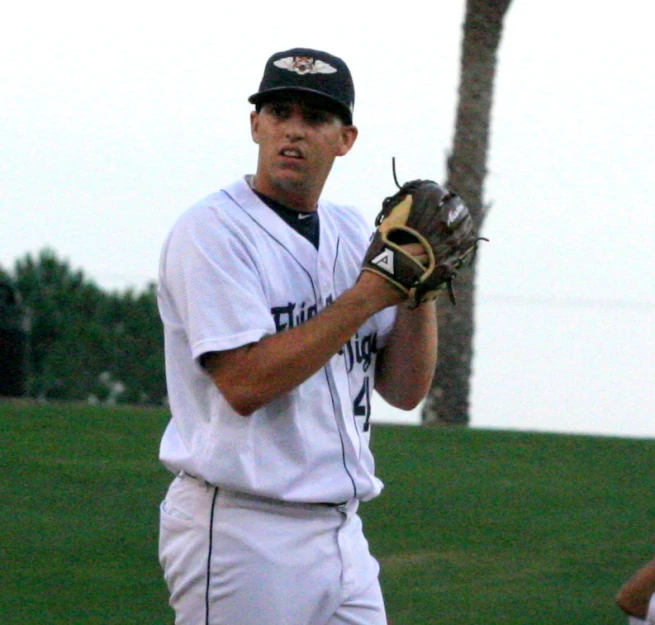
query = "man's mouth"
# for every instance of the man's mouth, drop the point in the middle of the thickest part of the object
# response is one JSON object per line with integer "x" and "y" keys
{"x": 291, "y": 152}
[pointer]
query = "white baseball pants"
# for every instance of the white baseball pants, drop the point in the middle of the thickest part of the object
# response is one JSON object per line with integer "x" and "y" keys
{"x": 234, "y": 559}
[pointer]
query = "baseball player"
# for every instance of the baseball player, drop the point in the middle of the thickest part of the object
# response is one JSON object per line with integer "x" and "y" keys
{"x": 275, "y": 341}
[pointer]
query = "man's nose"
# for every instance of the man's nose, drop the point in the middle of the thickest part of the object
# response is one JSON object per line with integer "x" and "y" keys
{"x": 295, "y": 126}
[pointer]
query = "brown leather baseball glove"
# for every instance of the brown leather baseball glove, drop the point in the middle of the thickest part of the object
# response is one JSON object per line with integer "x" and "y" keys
{"x": 422, "y": 212}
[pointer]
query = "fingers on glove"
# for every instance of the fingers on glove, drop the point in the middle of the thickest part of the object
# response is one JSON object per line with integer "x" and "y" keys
{"x": 410, "y": 243}
{"x": 417, "y": 252}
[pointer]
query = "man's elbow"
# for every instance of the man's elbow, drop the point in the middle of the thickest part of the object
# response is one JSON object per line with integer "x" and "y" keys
{"x": 243, "y": 404}
{"x": 408, "y": 403}
{"x": 631, "y": 605}
{"x": 228, "y": 371}
{"x": 403, "y": 396}
{"x": 244, "y": 409}
{"x": 401, "y": 399}
{"x": 239, "y": 398}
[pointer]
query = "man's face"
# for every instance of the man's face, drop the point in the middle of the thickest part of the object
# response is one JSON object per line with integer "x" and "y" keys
{"x": 299, "y": 137}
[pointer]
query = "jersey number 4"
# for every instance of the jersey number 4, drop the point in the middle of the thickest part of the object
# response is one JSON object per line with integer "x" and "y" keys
{"x": 362, "y": 404}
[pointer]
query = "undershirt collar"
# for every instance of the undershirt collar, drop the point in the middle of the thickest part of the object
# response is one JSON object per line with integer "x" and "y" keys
{"x": 305, "y": 223}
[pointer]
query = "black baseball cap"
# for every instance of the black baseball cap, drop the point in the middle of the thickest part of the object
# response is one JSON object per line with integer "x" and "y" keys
{"x": 310, "y": 71}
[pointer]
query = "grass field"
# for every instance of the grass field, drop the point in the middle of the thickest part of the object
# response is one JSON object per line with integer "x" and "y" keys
{"x": 473, "y": 526}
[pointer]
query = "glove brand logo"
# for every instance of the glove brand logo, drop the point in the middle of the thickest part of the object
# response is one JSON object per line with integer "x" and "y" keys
{"x": 384, "y": 260}
{"x": 304, "y": 65}
{"x": 455, "y": 213}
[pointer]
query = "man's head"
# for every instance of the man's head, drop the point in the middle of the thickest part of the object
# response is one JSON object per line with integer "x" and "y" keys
{"x": 302, "y": 122}
{"x": 303, "y": 70}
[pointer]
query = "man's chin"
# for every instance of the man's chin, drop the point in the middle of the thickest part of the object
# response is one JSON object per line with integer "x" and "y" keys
{"x": 292, "y": 181}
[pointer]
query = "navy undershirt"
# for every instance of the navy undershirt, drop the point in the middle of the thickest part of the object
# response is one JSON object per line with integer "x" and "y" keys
{"x": 304, "y": 223}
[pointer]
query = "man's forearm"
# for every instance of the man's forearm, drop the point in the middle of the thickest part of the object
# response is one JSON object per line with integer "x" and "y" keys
{"x": 406, "y": 364}
{"x": 252, "y": 376}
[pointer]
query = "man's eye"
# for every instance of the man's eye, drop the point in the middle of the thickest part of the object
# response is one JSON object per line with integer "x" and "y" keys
{"x": 317, "y": 117}
{"x": 280, "y": 110}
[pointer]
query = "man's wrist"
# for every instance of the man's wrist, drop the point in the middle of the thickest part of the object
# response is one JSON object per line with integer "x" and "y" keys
{"x": 377, "y": 292}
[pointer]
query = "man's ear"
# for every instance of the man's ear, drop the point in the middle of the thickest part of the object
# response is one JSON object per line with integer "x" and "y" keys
{"x": 254, "y": 126}
{"x": 348, "y": 138}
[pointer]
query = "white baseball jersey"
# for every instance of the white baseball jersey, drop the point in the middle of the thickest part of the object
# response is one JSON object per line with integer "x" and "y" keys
{"x": 232, "y": 271}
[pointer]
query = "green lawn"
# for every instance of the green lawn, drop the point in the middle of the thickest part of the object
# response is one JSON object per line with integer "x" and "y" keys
{"x": 473, "y": 526}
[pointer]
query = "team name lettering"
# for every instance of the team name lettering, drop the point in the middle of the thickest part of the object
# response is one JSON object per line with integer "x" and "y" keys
{"x": 292, "y": 315}
{"x": 360, "y": 350}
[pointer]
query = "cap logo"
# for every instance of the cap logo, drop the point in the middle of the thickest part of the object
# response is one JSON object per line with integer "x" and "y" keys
{"x": 304, "y": 65}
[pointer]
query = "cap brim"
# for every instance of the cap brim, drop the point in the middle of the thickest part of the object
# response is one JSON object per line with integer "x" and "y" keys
{"x": 262, "y": 96}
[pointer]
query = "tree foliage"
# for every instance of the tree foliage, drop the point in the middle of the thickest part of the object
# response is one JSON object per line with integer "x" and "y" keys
{"x": 85, "y": 343}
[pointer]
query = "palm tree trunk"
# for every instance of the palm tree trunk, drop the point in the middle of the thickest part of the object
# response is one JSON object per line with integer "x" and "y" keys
{"x": 448, "y": 400}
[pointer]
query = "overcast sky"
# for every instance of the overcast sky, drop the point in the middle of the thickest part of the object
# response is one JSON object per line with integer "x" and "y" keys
{"x": 114, "y": 117}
